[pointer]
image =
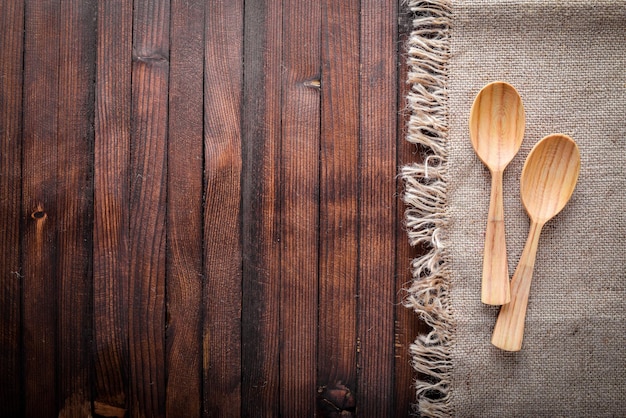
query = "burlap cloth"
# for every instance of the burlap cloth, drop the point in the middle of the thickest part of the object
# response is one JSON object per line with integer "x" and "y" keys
{"x": 567, "y": 59}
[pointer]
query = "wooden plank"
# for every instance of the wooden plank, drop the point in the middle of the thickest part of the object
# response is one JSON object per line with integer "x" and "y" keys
{"x": 377, "y": 210}
{"x": 261, "y": 208}
{"x": 150, "y": 72}
{"x": 339, "y": 163}
{"x": 223, "y": 66}
{"x": 300, "y": 206}
{"x": 40, "y": 214}
{"x": 184, "y": 210}
{"x": 11, "y": 53}
{"x": 77, "y": 31}
{"x": 111, "y": 210}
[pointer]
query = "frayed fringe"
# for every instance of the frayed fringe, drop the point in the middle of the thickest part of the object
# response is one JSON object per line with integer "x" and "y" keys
{"x": 425, "y": 187}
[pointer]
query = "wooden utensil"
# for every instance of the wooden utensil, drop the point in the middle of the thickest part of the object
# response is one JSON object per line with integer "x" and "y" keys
{"x": 496, "y": 130}
{"x": 548, "y": 180}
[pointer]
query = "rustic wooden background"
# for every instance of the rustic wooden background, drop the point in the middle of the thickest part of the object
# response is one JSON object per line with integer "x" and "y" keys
{"x": 199, "y": 208}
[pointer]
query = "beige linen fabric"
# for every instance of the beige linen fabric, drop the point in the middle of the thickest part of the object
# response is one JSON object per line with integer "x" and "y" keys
{"x": 567, "y": 59}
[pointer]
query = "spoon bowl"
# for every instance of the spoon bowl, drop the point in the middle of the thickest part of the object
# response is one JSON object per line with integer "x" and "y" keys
{"x": 496, "y": 126}
{"x": 497, "y": 122}
{"x": 549, "y": 177}
{"x": 548, "y": 180}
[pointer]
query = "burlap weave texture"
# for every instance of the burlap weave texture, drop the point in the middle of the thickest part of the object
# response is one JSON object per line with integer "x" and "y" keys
{"x": 568, "y": 62}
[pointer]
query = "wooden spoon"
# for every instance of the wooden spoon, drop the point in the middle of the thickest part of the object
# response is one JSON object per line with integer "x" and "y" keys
{"x": 548, "y": 180}
{"x": 496, "y": 129}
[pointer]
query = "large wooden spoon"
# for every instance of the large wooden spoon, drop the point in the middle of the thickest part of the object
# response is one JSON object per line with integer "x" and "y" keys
{"x": 496, "y": 129}
{"x": 548, "y": 180}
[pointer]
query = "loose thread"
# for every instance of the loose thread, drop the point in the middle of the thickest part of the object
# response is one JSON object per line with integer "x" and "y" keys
{"x": 425, "y": 187}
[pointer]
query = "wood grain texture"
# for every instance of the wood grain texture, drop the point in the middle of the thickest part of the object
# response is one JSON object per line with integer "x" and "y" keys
{"x": 150, "y": 72}
{"x": 548, "y": 180}
{"x": 496, "y": 126}
{"x": 508, "y": 331}
{"x": 339, "y": 195}
{"x": 223, "y": 82}
{"x": 199, "y": 209}
{"x": 184, "y": 211}
{"x": 111, "y": 255}
{"x": 495, "y": 289}
{"x": 39, "y": 207}
{"x": 300, "y": 207}
{"x": 261, "y": 206}
{"x": 377, "y": 212}
{"x": 11, "y": 57}
{"x": 74, "y": 196}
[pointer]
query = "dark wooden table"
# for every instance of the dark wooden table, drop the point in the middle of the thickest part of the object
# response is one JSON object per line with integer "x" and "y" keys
{"x": 199, "y": 209}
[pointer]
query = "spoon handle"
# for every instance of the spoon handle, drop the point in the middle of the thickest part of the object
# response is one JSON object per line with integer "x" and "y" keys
{"x": 509, "y": 330}
{"x": 495, "y": 280}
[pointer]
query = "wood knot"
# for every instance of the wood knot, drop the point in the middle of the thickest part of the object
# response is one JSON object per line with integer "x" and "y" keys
{"x": 104, "y": 410}
{"x": 39, "y": 214}
{"x": 336, "y": 400}
{"x": 150, "y": 57}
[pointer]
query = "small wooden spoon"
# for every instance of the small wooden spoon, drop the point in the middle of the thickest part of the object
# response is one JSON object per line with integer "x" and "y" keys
{"x": 496, "y": 129}
{"x": 548, "y": 180}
